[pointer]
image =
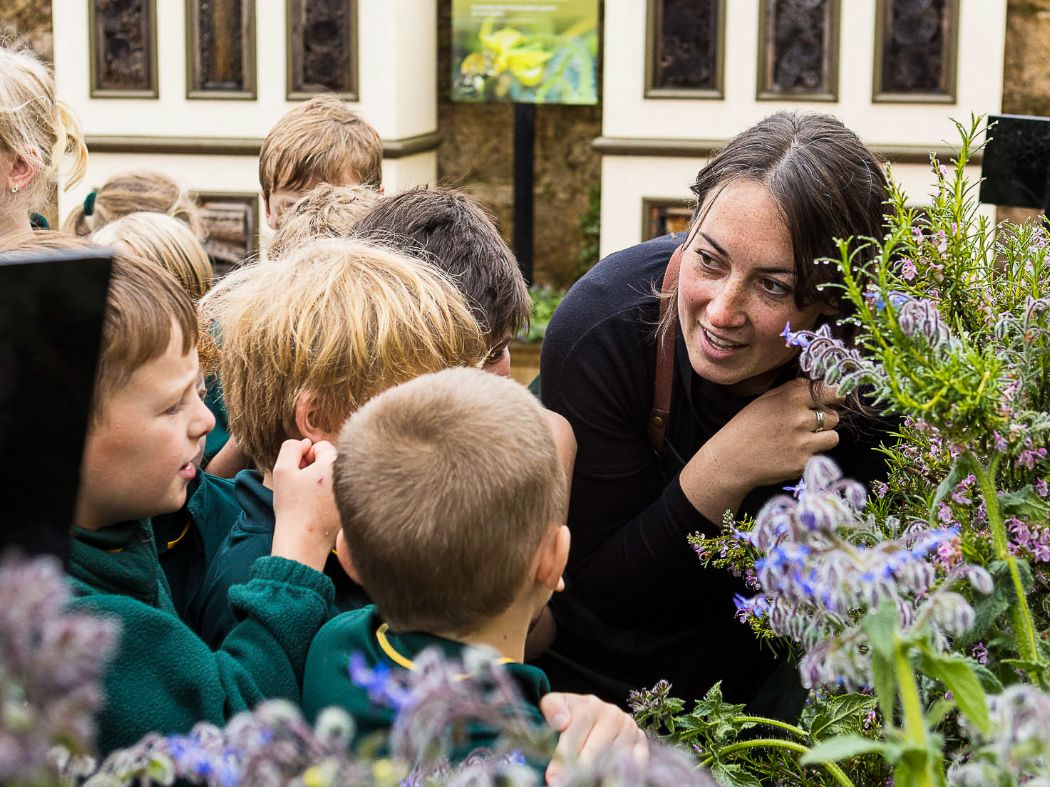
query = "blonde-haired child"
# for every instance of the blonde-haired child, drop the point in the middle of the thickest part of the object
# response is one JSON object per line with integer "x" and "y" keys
{"x": 133, "y": 192}
{"x": 187, "y": 539}
{"x": 304, "y": 344}
{"x": 37, "y": 131}
{"x": 325, "y": 211}
{"x": 146, "y": 422}
{"x": 166, "y": 241}
{"x": 320, "y": 141}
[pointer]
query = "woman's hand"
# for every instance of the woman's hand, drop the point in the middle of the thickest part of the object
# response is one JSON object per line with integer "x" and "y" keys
{"x": 767, "y": 442}
{"x": 303, "y": 504}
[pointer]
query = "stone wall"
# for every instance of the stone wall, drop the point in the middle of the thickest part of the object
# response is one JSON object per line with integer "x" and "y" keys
{"x": 476, "y": 155}
{"x": 28, "y": 21}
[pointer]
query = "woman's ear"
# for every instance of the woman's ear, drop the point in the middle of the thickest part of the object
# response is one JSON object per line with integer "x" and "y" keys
{"x": 21, "y": 173}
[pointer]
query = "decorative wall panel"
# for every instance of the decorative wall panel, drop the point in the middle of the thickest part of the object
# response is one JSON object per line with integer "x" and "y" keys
{"x": 231, "y": 222}
{"x": 322, "y": 48}
{"x": 798, "y": 50}
{"x": 220, "y": 48}
{"x": 662, "y": 217}
{"x": 123, "y": 37}
{"x": 915, "y": 50}
{"x": 685, "y": 48}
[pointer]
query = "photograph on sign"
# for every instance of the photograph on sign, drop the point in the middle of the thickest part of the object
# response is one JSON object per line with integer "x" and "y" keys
{"x": 525, "y": 52}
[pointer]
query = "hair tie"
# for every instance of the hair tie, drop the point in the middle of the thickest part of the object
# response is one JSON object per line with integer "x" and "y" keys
{"x": 89, "y": 203}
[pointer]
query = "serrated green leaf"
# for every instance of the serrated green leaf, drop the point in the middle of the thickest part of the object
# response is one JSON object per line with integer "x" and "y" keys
{"x": 733, "y": 775}
{"x": 841, "y": 747}
{"x": 956, "y": 674}
{"x": 1024, "y": 503}
{"x": 840, "y": 714}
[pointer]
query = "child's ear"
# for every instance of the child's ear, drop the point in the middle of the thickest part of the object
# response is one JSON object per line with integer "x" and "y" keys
{"x": 266, "y": 209}
{"x": 553, "y": 556}
{"x": 306, "y": 419}
{"x": 22, "y": 172}
{"x": 342, "y": 552}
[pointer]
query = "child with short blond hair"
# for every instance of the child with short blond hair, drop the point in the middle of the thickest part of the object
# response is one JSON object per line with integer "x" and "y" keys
{"x": 320, "y": 141}
{"x": 187, "y": 539}
{"x": 145, "y": 429}
{"x": 304, "y": 344}
{"x": 37, "y": 132}
{"x": 165, "y": 241}
{"x": 451, "y": 496}
{"x": 325, "y": 211}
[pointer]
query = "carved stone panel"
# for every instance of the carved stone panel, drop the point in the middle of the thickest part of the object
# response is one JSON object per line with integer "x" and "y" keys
{"x": 685, "y": 48}
{"x": 322, "y": 48}
{"x": 662, "y": 217}
{"x": 123, "y": 37}
{"x": 915, "y": 50}
{"x": 220, "y": 48}
{"x": 231, "y": 222}
{"x": 798, "y": 50}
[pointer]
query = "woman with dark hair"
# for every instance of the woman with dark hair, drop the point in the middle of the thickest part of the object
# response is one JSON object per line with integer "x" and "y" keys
{"x": 669, "y": 362}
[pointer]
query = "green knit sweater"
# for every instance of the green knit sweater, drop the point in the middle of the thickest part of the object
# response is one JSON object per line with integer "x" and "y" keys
{"x": 163, "y": 677}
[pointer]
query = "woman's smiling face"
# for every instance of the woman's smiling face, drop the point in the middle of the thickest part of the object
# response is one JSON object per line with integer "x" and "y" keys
{"x": 736, "y": 289}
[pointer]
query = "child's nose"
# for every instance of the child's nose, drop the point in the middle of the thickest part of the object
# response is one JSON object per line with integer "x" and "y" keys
{"x": 203, "y": 421}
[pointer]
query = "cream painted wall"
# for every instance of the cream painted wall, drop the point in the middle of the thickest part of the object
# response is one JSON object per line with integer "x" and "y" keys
{"x": 627, "y": 114}
{"x": 628, "y": 180}
{"x": 397, "y": 63}
{"x": 397, "y": 80}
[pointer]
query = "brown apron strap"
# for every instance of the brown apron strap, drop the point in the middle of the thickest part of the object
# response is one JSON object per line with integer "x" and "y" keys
{"x": 665, "y": 349}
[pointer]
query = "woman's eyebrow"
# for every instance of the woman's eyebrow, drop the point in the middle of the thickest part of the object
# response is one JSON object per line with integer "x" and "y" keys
{"x": 765, "y": 269}
{"x": 718, "y": 246}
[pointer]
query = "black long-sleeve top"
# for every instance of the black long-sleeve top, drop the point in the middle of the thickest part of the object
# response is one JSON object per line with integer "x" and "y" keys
{"x": 630, "y": 563}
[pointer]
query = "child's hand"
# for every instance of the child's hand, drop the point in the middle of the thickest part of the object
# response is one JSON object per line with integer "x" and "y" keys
{"x": 303, "y": 505}
{"x": 588, "y": 729}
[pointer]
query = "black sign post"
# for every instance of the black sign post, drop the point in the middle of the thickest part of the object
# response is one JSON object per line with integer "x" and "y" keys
{"x": 524, "y": 154}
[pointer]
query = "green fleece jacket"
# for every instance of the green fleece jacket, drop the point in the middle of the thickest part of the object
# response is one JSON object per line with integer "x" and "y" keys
{"x": 188, "y": 539}
{"x": 163, "y": 677}
{"x": 327, "y": 680}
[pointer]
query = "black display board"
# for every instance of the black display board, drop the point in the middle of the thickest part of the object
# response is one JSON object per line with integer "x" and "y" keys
{"x": 51, "y": 310}
{"x": 1016, "y": 164}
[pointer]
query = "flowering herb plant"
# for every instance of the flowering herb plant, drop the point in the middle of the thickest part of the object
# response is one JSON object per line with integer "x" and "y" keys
{"x": 910, "y": 609}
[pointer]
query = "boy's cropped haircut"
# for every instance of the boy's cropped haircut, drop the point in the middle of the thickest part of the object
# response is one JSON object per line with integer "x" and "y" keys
{"x": 338, "y": 319}
{"x": 446, "y": 486}
{"x": 318, "y": 142}
{"x": 143, "y": 305}
{"x": 461, "y": 238}
{"x": 325, "y": 211}
{"x": 166, "y": 241}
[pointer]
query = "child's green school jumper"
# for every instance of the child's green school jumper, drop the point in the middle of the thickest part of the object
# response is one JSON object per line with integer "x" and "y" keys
{"x": 162, "y": 677}
{"x": 327, "y": 680}
{"x": 220, "y": 434}
{"x": 188, "y": 539}
{"x": 251, "y": 538}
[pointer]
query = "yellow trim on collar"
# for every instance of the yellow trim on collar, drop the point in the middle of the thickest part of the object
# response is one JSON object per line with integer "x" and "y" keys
{"x": 181, "y": 535}
{"x": 404, "y": 661}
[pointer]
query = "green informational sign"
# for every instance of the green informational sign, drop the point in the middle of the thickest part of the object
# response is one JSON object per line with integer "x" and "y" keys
{"x": 539, "y": 52}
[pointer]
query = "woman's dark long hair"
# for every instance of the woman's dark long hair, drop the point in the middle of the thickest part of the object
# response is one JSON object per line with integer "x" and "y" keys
{"x": 825, "y": 182}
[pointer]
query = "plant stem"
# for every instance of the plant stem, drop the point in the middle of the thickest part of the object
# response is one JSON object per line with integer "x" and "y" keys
{"x": 771, "y": 723}
{"x": 776, "y": 743}
{"x": 1020, "y": 614}
{"x": 911, "y": 705}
